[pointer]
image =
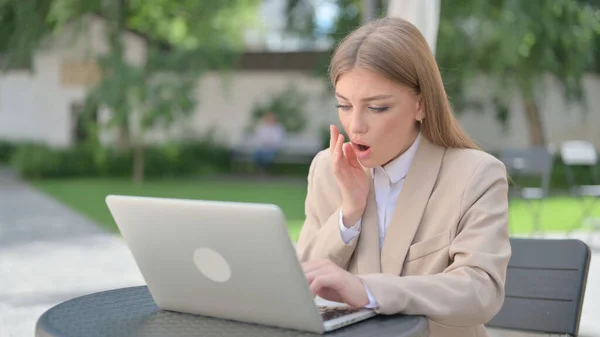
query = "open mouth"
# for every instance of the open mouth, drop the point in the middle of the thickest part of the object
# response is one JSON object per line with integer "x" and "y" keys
{"x": 361, "y": 147}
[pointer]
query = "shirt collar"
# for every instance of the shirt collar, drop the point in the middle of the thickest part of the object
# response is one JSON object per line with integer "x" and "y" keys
{"x": 398, "y": 168}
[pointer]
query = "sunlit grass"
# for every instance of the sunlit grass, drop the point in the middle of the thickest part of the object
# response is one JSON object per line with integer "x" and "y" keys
{"x": 87, "y": 197}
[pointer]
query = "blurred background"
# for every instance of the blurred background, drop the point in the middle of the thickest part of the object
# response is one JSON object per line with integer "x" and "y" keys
{"x": 229, "y": 100}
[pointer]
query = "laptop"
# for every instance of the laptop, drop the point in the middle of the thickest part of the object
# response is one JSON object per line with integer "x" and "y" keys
{"x": 226, "y": 260}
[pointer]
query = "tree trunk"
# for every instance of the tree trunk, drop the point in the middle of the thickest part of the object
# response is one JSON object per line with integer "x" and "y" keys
{"x": 138, "y": 164}
{"x": 534, "y": 121}
{"x": 115, "y": 11}
{"x": 123, "y": 139}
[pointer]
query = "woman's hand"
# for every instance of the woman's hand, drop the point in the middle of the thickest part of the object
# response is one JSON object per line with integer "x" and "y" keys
{"x": 330, "y": 282}
{"x": 350, "y": 176}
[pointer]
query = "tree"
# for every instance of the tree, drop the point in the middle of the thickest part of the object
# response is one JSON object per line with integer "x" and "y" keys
{"x": 515, "y": 44}
{"x": 162, "y": 90}
{"x": 23, "y": 25}
{"x": 184, "y": 38}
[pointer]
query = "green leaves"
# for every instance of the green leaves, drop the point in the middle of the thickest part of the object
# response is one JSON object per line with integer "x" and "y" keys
{"x": 23, "y": 24}
{"x": 191, "y": 24}
{"x": 521, "y": 40}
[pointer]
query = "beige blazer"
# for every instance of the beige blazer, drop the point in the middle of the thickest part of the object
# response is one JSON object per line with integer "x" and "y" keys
{"x": 447, "y": 246}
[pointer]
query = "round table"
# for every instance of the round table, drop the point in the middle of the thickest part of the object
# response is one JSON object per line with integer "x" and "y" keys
{"x": 132, "y": 312}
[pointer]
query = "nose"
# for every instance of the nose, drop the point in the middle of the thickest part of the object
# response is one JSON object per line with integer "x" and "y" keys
{"x": 357, "y": 123}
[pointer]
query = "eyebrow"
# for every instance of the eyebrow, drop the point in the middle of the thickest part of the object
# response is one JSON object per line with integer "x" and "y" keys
{"x": 367, "y": 99}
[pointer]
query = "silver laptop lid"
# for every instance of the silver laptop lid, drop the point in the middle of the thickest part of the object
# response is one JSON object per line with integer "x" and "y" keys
{"x": 220, "y": 259}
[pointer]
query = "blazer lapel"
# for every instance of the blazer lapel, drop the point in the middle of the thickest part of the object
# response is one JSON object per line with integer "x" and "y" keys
{"x": 411, "y": 203}
{"x": 367, "y": 248}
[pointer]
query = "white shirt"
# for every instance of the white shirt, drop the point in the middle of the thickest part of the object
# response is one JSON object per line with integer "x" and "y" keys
{"x": 388, "y": 182}
{"x": 269, "y": 136}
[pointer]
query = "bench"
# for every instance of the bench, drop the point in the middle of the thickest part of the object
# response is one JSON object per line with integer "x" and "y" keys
{"x": 545, "y": 287}
{"x": 297, "y": 149}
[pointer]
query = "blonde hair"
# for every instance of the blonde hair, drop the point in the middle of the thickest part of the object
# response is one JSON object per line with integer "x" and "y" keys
{"x": 396, "y": 49}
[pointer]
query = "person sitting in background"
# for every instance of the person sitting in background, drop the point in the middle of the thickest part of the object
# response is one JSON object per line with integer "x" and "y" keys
{"x": 269, "y": 138}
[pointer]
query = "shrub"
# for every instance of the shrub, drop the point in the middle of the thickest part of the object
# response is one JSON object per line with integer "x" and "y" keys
{"x": 6, "y": 151}
{"x": 35, "y": 161}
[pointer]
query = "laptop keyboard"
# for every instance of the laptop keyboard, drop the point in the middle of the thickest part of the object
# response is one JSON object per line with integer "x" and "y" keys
{"x": 329, "y": 313}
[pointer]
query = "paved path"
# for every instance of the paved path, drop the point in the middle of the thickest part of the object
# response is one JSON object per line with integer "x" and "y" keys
{"x": 49, "y": 254}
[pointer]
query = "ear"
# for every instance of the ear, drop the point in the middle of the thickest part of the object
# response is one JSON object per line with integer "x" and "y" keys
{"x": 420, "y": 106}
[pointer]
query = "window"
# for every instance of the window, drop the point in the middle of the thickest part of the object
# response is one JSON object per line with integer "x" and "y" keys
{"x": 79, "y": 73}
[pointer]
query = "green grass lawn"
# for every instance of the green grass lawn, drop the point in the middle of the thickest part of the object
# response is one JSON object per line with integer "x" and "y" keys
{"x": 87, "y": 196}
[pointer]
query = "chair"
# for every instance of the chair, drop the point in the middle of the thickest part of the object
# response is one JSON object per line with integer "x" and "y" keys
{"x": 534, "y": 162}
{"x": 578, "y": 153}
{"x": 545, "y": 287}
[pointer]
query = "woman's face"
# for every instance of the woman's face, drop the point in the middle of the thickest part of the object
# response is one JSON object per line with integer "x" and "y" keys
{"x": 378, "y": 115}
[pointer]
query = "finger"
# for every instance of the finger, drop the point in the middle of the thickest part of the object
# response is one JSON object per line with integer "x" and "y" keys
{"x": 315, "y": 270}
{"x": 339, "y": 145}
{"x": 315, "y": 287}
{"x": 329, "y": 280}
{"x": 333, "y": 137}
{"x": 338, "y": 155}
{"x": 312, "y": 275}
{"x": 350, "y": 155}
{"x": 318, "y": 284}
{"x": 327, "y": 270}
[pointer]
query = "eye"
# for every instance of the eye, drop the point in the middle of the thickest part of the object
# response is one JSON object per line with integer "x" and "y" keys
{"x": 379, "y": 109}
{"x": 343, "y": 107}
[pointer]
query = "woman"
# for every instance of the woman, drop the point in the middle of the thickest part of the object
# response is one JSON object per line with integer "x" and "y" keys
{"x": 409, "y": 216}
